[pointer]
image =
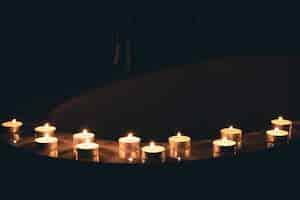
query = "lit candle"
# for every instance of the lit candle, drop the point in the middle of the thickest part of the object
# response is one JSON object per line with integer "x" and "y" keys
{"x": 45, "y": 129}
{"x": 232, "y": 133}
{"x": 224, "y": 146}
{"x": 180, "y": 146}
{"x": 87, "y": 151}
{"x": 153, "y": 153}
{"x": 277, "y": 136}
{"x": 13, "y": 125}
{"x": 283, "y": 124}
{"x": 129, "y": 147}
{"x": 82, "y": 137}
{"x": 47, "y": 144}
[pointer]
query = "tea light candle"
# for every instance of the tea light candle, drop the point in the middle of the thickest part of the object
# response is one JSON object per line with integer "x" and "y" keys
{"x": 13, "y": 125}
{"x": 232, "y": 133}
{"x": 46, "y": 143}
{"x": 180, "y": 146}
{"x": 277, "y": 135}
{"x": 87, "y": 151}
{"x": 45, "y": 129}
{"x": 283, "y": 124}
{"x": 129, "y": 147}
{"x": 82, "y": 137}
{"x": 224, "y": 146}
{"x": 153, "y": 153}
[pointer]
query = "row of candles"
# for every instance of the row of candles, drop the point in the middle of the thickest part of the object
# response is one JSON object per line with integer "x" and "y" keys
{"x": 86, "y": 149}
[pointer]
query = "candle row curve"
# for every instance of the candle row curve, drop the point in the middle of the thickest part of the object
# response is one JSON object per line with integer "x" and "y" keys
{"x": 85, "y": 147}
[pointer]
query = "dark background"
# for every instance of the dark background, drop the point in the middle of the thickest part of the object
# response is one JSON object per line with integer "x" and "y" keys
{"x": 51, "y": 53}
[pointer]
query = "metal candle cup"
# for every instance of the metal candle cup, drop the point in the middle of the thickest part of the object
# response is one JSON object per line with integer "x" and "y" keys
{"x": 276, "y": 137}
{"x": 13, "y": 126}
{"x": 129, "y": 147}
{"x": 87, "y": 152}
{"x": 47, "y": 145}
{"x": 283, "y": 124}
{"x": 234, "y": 134}
{"x": 224, "y": 147}
{"x": 45, "y": 129}
{"x": 180, "y": 146}
{"x": 153, "y": 154}
{"x": 83, "y": 137}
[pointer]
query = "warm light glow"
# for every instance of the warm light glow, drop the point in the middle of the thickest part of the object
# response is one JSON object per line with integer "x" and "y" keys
{"x": 130, "y": 134}
{"x": 84, "y": 131}
{"x": 280, "y": 118}
{"x": 14, "y": 121}
{"x": 152, "y": 144}
{"x": 224, "y": 139}
{"x": 231, "y": 127}
{"x": 130, "y": 160}
{"x": 46, "y": 135}
{"x": 87, "y": 140}
{"x": 276, "y": 129}
{"x": 47, "y": 125}
{"x": 179, "y": 159}
{"x": 178, "y": 134}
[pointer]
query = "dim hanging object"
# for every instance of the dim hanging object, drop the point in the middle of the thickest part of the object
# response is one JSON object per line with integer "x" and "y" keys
{"x": 122, "y": 46}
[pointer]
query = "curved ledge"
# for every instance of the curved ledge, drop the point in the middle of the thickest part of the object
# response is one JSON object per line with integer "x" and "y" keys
{"x": 200, "y": 150}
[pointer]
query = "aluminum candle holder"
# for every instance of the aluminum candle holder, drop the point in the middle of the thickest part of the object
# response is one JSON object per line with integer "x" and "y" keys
{"x": 46, "y": 129}
{"x": 47, "y": 145}
{"x": 224, "y": 147}
{"x": 180, "y": 146}
{"x": 12, "y": 126}
{"x": 129, "y": 148}
{"x": 153, "y": 154}
{"x": 276, "y": 137}
{"x": 87, "y": 152}
{"x": 283, "y": 124}
{"x": 234, "y": 134}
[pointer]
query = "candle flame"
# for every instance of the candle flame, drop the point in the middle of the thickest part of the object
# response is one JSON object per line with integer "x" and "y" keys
{"x": 276, "y": 129}
{"x": 130, "y": 134}
{"x": 280, "y": 118}
{"x": 87, "y": 140}
{"x": 179, "y": 159}
{"x": 152, "y": 144}
{"x": 179, "y": 134}
{"x": 230, "y": 127}
{"x": 84, "y": 131}
{"x": 47, "y": 125}
{"x": 14, "y": 121}
{"x": 46, "y": 135}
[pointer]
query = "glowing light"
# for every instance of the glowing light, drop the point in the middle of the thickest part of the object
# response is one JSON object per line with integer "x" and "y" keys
{"x": 84, "y": 131}
{"x": 179, "y": 134}
{"x": 280, "y": 118}
{"x": 231, "y": 127}
{"x": 47, "y": 125}
{"x": 152, "y": 144}
{"x": 130, "y": 134}
{"x": 87, "y": 140}
{"x": 14, "y": 121}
